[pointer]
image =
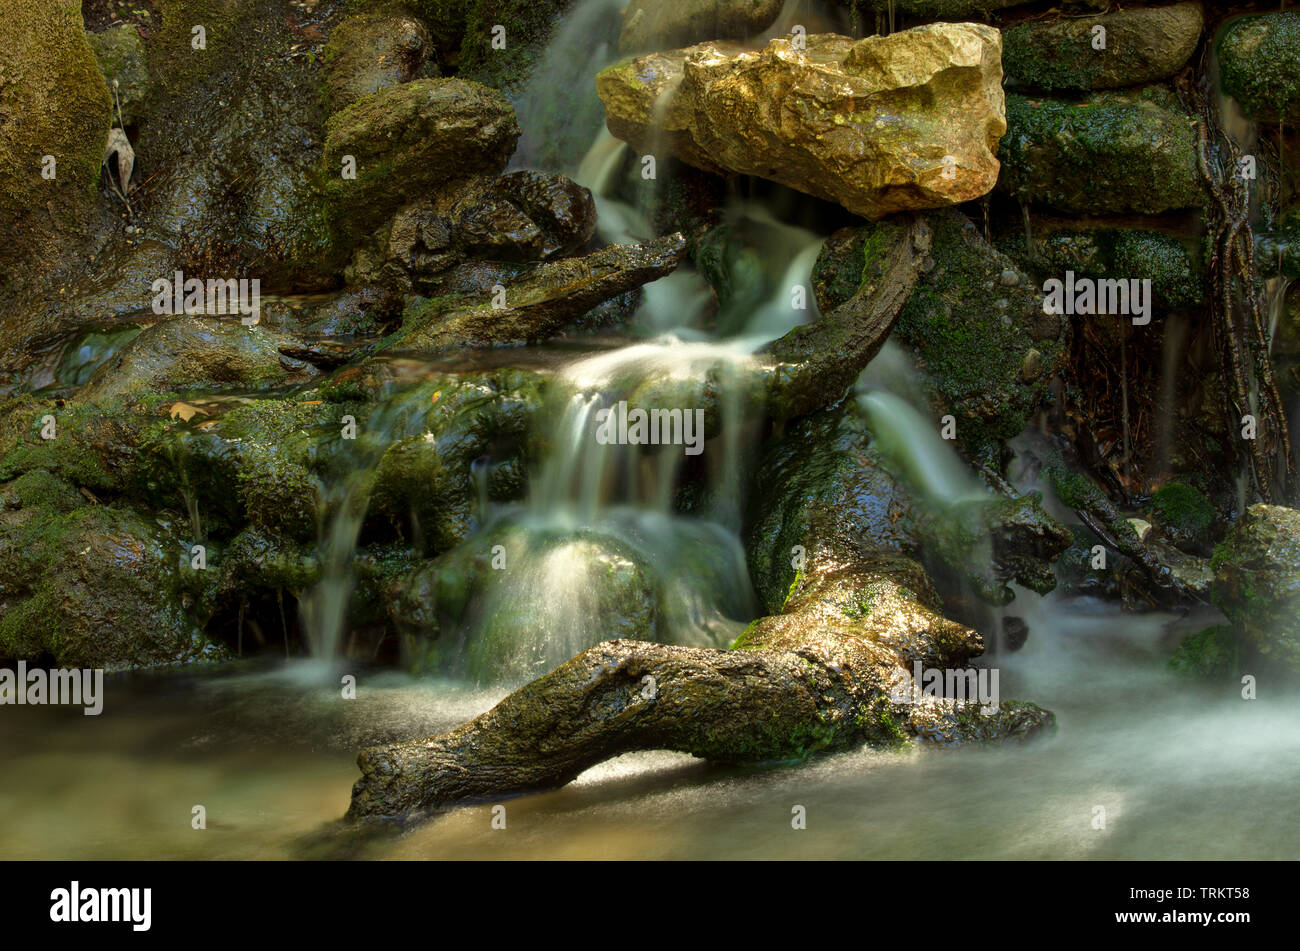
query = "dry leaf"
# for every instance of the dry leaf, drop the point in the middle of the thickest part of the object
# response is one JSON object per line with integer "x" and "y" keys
{"x": 119, "y": 145}
{"x": 184, "y": 411}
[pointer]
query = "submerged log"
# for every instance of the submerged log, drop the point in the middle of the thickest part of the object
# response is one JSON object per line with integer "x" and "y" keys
{"x": 824, "y": 674}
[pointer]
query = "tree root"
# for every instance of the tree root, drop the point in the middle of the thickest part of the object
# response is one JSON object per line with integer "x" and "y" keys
{"x": 825, "y": 674}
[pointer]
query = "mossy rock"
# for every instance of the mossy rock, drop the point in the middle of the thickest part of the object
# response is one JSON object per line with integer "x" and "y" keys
{"x": 1174, "y": 266}
{"x": 1110, "y": 153}
{"x": 1209, "y": 654}
{"x": 121, "y": 57}
{"x": 474, "y": 612}
{"x": 976, "y": 327}
{"x": 1257, "y": 581}
{"x": 407, "y": 140}
{"x": 1184, "y": 515}
{"x": 1141, "y": 45}
{"x": 1259, "y": 64}
{"x": 56, "y": 104}
{"x": 99, "y": 586}
{"x": 372, "y": 52}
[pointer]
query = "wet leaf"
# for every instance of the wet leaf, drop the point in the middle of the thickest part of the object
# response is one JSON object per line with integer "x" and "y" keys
{"x": 118, "y": 144}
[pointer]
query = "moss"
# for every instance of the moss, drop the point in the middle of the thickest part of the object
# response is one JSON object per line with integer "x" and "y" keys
{"x": 1183, "y": 508}
{"x": 971, "y": 353}
{"x": 51, "y": 81}
{"x": 1111, "y": 153}
{"x": 1175, "y": 267}
{"x": 1259, "y": 64}
{"x": 1211, "y": 653}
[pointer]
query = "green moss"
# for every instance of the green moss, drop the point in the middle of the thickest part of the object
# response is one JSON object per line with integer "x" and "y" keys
{"x": 1111, "y": 153}
{"x": 1259, "y": 64}
{"x": 1175, "y": 267}
{"x": 1211, "y": 653}
{"x": 1183, "y": 508}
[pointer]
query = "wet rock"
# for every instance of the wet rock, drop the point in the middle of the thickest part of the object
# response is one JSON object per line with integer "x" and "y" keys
{"x": 879, "y": 125}
{"x": 543, "y": 301}
{"x": 463, "y": 32}
{"x": 193, "y": 353}
{"x": 1015, "y": 632}
{"x": 1113, "y": 153}
{"x": 1141, "y": 45}
{"x": 520, "y": 216}
{"x": 1259, "y": 64}
{"x": 829, "y": 474}
{"x": 409, "y": 139}
{"x": 1174, "y": 265}
{"x": 56, "y": 104}
{"x": 120, "y": 54}
{"x": 972, "y": 360}
{"x": 437, "y": 606}
{"x": 1257, "y": 581}
{"x": 1185, "y": 517}
{"x": 373, "y": 52}
{"x": 650, "y": 24}
{"x": 97, "y": 586}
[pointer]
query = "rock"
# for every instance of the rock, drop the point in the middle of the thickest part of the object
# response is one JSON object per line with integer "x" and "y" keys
{"x": 879, "y": 125}
{"x": 409, "y": 139}
{"x": 464, "y": 32}
{"x": 1113, "y": 153}
{"x": 947, "y": 9}
{"x": 973, "y": 361}
{"x": 120, "y": 54}
{"x": 1257, "y": 581}
{"x": 519, "y": 638}
{"x": 520, "y": 216}
{"x": 1174, "y": 265}
{"x": 96, "y": 586}
{"x": 1142, "y": 45}
{"x": 372, "y": 52}
{"x": 1259, "y": 64}
{"x": 1185, "y": 517}
{"x": 543, "y": 301}
{"x": 655, "y": 24}
{"x": 49, "y": 78}
{"x": 1209, "y": 654}
{"x": 191, "y": 353}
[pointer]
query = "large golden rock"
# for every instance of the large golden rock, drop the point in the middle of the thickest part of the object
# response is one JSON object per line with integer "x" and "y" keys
{"x": 879, "y": 125}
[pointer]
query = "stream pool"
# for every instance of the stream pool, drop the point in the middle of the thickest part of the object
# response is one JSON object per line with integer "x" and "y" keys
{"x": 1182, "y": 771}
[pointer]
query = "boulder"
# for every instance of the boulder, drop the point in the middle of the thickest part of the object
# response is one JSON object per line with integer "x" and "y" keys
{"x": 517, "y": 217}
{"x": 193, "y": 353}
{"x": 94, "y": 585}
{"x": 879, "y": 125}
{"x": 1111, "y": 154}
{"x": 120, "y": 54}
{"x": 1259, "y": 64}
{"x": 1257, "y": 581}
{"x": 55, "y": 103}
{"x": 372, "y": 52}
{"x": 1142, "y": 45}
{"x": 406, "y": 141}
{"x": 661, "y": 24}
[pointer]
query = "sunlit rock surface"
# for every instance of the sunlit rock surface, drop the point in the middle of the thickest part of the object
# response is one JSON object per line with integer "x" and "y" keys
{"x": 879, "y": 125}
